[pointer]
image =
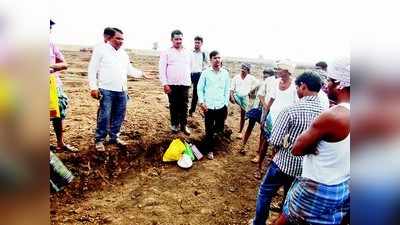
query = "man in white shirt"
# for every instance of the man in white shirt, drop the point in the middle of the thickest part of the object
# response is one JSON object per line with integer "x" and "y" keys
{"x": 199, "y": 62}
{"x": 107, "y": 72}
{"x": 241, "y": 86}
{"x": 174, "y": 70}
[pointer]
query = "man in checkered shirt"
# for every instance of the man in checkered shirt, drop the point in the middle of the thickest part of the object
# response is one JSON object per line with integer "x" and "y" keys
{"x": 291, "y": 122}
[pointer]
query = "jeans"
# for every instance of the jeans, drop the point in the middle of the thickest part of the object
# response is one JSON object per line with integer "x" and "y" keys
{"x": 269, "y": 186}
{"x": 195, "y": 80}
{"x": 111, "y": 114}
{"x": 178, "y": 104}
{"x": 214, "y": 120}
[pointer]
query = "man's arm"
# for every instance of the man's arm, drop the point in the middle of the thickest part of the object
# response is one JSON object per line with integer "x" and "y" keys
{"x": 280, "y": 128}
{"x": 133, "y": 72}
{"x": 93, "y": 68}
{"x": 269, "y": 104}
{"x": 200, "y": 91}
{"x": 162, "y": 68}
{"x": 227, "y": 86}
{"x": 232, "y": 88}
{"x": 307, "y": 141}
{"x": 60, "y": 61}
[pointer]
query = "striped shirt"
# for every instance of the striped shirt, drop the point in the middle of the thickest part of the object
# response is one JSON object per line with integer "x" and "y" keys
{"x": 291, "y": 122}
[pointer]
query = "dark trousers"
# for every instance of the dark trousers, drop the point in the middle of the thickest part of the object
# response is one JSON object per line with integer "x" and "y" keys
{"x": 178, "y": 104}
{"x": 214, "y": 122}
{"x": 111, "y": 114}
{"x": 195, "y": 80}
{"x": 269, "y": 186}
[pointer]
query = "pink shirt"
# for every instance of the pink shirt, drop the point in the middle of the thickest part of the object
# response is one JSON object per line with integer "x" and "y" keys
{"x": 175, "y": 67}
{"x": 54, "y": 55}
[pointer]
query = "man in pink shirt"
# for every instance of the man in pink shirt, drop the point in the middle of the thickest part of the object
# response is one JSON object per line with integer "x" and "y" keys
{"x": 175, "y": 69}
{"x": 58, "y": 63}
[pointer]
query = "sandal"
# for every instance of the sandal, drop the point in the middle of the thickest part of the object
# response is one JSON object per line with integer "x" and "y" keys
{"x": 256, "y": 159}
{"x": 68, "y": 148}
{"x": 257, "y": 175}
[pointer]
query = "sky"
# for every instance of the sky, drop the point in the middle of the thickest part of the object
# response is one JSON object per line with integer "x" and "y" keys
{"x": 304, "y": 31}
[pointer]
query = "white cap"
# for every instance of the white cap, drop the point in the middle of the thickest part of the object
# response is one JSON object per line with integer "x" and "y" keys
{"x": 286, "y": 64}
{"x": 340, "y": 71}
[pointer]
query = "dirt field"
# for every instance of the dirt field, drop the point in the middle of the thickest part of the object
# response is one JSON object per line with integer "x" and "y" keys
{"x": 134, "y": 186}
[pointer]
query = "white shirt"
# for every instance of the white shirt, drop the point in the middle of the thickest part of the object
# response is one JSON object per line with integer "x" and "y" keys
{"x": 331, "y": 165}
{"x": 198, "y": 62}
{"x": 266, "y": 87}
{"x": 283, "y": 99}
{"x": 108, "y": 69}
{"x": 243, "y": 86}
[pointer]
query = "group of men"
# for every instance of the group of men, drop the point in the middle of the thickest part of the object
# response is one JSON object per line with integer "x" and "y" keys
{"x": 310, "y": 141}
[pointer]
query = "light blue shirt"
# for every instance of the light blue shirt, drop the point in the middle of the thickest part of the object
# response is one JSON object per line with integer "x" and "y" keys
{"x": 213, "y": 88}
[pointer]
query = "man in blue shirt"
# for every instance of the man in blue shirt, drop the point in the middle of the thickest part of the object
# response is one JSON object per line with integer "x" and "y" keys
{"x": 213, "y": 94}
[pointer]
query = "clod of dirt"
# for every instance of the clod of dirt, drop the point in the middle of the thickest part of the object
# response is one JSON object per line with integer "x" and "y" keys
{"x": 150, "y": 202}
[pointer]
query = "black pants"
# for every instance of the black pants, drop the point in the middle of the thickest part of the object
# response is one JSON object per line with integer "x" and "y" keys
{"x": 214, "y": 123}
{"x": 195, "y": 80}
{"x": 178, "y": 104}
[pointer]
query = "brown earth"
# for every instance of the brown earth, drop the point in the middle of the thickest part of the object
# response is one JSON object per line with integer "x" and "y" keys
{"x": 134, "y": 186}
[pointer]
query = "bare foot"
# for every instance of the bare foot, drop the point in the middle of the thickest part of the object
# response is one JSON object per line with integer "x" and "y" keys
{"x": 257, "y": 174}
{"x": 256, "y": 159}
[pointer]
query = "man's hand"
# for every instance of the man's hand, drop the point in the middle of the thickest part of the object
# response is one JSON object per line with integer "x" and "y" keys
{"x": 203, "y": 107}
{"x": 95, "y": 94}
{"x": 232, "y": 99}
{"x": 266, "y": 108}
{"x": 167, "y": 89}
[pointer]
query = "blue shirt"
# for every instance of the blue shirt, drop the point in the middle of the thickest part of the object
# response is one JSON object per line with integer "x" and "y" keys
{"x": 213, "y": 88}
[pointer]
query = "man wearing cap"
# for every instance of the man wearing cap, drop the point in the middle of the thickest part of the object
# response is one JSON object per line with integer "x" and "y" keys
{"x": 241, "y": 86}
{"x": 322, "y": 194}
{"x": 58, "y": 63}
{"x": 282, "y": 95}
{"x": 289, "y": 124}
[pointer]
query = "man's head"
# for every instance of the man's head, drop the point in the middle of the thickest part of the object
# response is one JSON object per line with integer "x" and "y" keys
{"x": 245, "y": 69}
{"x": 108, "y": 33}
{"x": 308, "y": 83}
{"x": 285, "y": 68}
{"x": 267, "y": 72}
{"x": 176, "y": 38}
{"x": 215, "y": 60}
{"x": 338, "y": 85}
{"x": 321, "y": 65}
{"x": 117, "y": 39}
{"x": 198, "y": 42}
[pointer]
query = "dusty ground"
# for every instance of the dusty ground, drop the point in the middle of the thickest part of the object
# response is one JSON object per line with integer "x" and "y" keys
{"x": 134, "y": 186}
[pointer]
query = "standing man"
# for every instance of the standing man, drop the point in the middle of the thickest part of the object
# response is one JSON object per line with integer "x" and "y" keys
{"x": 263, "y": 93}
{"x": 199, "y": 63}
{"x": 322, "y": 194}
{"x": 283, "y": 94}
{"x": 213, "y": 92}
{"x": 174, "y": 69}
{"x": 321, "y": 68}
{"x": 107, "y": 73}
{"x": 241, "y": 86}
{"x": 58, "y": 63}
{"x": 290, "y": 123}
